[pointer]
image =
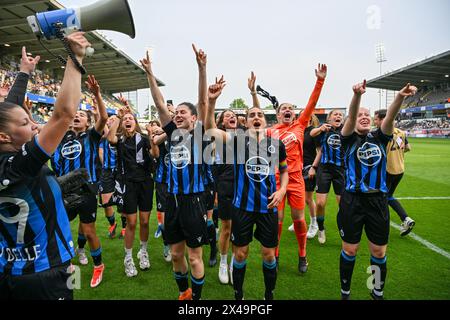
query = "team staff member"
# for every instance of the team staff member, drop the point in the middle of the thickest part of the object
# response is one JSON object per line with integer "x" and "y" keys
{"x": 364, "y": 202}
{"x": 396, "y": 150}
{"x": 256, "y": 197}
{"x": 331, "y": 167}
{"x": 185, "y": 216}
{"x": 79, "y": 149}
{"x": 134, "y": 151}
{"x": 36, "y": 245}
{"x": 291, "y": 131}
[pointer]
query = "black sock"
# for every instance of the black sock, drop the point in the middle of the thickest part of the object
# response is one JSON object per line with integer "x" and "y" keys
{"x": 381, "y": 265}
{"x": 182, "y": 281}
{"x": 320, "y": 222}
{"x": 81, "y": 241}
{"x": 97, "y": 256}
{"x": 238, "y": 278}
{"x": 111, "y": 219}
{"x": 346, "y": 265}
{"x": 212, "y": 237}
{"x": 124, "y": 222}
{"x": 197, "y": 286}
{"x": 270, "y": 278}
{"x": 215, "y": 216}
{"x": 398, "y": 208}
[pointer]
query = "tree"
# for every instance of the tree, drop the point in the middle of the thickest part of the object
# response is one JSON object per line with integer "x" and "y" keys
{"x": 147, "y": 113}
{"x": 238, "y": 104}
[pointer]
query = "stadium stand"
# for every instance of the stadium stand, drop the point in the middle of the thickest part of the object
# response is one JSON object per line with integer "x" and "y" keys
{"x": 114, "y": 69}
{"x": 427, "y": 114}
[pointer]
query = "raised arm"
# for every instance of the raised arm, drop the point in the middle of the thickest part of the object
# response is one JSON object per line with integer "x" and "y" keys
{"x": 154, "y": 149}
{"x": 387, "y": 127}
{"x": 68, "y": 99}
{"x": 251, "y": 87}
{"x": 350, "y": 123}
{"x": 202, "y": 83}
{"x": 19, "y": 89}
{"x": 214, "y": 92}
{"x": 321, "y": 74}
{"x": 163, "y": 111}
{"x": 94, "y": 88}
{"x": 112, "y": 133}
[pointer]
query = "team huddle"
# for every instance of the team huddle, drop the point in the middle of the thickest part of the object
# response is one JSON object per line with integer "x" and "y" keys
{"x": 202, "y": 168}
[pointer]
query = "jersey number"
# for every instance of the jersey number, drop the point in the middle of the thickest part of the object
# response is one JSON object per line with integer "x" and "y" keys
{"x": 20, "y": 218}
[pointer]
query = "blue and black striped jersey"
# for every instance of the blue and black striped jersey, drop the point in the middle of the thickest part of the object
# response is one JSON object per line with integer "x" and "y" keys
{"x": 255, "y": 167}
{"x": 365, "y": 162}
{"x": 109, "y": 154}
{"x": 75, "y": 152}
{"x": 186, "y": 167}
{"x": 34, "y": 228}
{"x": 332, "y": 151}
{"x": 161, "y": 175}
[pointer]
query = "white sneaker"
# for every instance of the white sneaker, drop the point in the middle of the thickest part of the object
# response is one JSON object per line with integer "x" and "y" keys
{"x": 312, "y": 231}
{"x": 144, "y": 262}
{"x": 223, "y": 273}
{"x": 167, "y": 254}
{"x": 291, "y": 228}
{"x": 82, "y": 258}
{"x": 407, "y": 226}
{"x": 130, "y": 269}
{"x": 322, "y": 237}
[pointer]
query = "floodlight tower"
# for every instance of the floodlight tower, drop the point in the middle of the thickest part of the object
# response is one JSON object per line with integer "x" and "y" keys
{"x": 381, "y": 57}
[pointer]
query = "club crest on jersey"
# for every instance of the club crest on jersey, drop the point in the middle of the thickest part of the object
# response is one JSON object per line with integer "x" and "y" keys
{"x": 180, "y": 156}
{"x": 289, "y": 139}
{"x": 334, "y": 141}
{"x": 369, "y": 154}
{"x": 257, "y": 169}
{"x": 71, "y": 150}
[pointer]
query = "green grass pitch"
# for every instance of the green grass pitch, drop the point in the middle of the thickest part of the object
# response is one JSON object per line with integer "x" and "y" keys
{"x": 414, "y": 271}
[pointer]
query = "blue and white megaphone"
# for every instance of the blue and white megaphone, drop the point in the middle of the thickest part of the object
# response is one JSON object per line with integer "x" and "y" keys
{"x": 114, "y": 15}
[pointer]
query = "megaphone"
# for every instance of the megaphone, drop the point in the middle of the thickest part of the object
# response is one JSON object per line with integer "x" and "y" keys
{"x": 114, "y": 15}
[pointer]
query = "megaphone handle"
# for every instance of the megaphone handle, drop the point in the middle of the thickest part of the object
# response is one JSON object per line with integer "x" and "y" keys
{"x": 60, "y": 36}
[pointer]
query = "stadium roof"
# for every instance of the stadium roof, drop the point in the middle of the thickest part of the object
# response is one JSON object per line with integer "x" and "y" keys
{"x": 431, "y": 71}
{"x": 114, "y": 69}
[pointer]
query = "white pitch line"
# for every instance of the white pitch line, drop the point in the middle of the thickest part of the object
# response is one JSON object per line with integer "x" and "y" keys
{"x": 424, "y": 198}
{"x": 426, "y": 243}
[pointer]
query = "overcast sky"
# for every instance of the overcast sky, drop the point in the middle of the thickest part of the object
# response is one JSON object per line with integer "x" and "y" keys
{"x": 282, "y": 42}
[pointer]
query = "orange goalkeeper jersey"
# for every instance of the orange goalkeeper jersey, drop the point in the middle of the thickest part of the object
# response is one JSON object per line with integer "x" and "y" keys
{"x": 293, "y": 135}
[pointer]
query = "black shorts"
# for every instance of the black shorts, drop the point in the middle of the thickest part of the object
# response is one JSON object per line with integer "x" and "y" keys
{"x": 210, "y": 197}
{"x": 87, "y": 211}
{"x": 186, "y": 219}
{"x": 107, "y": 181}
{"x": 266, "y": 228}
{"x": 392, "y": 181}
{"x": 161, "y": 196}
{"x": 327, "y": 174}
{"x": 358, "y": 210}
{"x": 46, "y": 285}
{"x": 225, "y": 195}
{"x": 138, "y": 195}
{"x": 310, "y": 184}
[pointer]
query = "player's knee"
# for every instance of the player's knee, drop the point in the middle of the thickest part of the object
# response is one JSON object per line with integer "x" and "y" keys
{"x": 177, "y": 256}
{"x": 131, "y": 225}
{"x": 195, "y": 261}
{"x": 240, "y": 255}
